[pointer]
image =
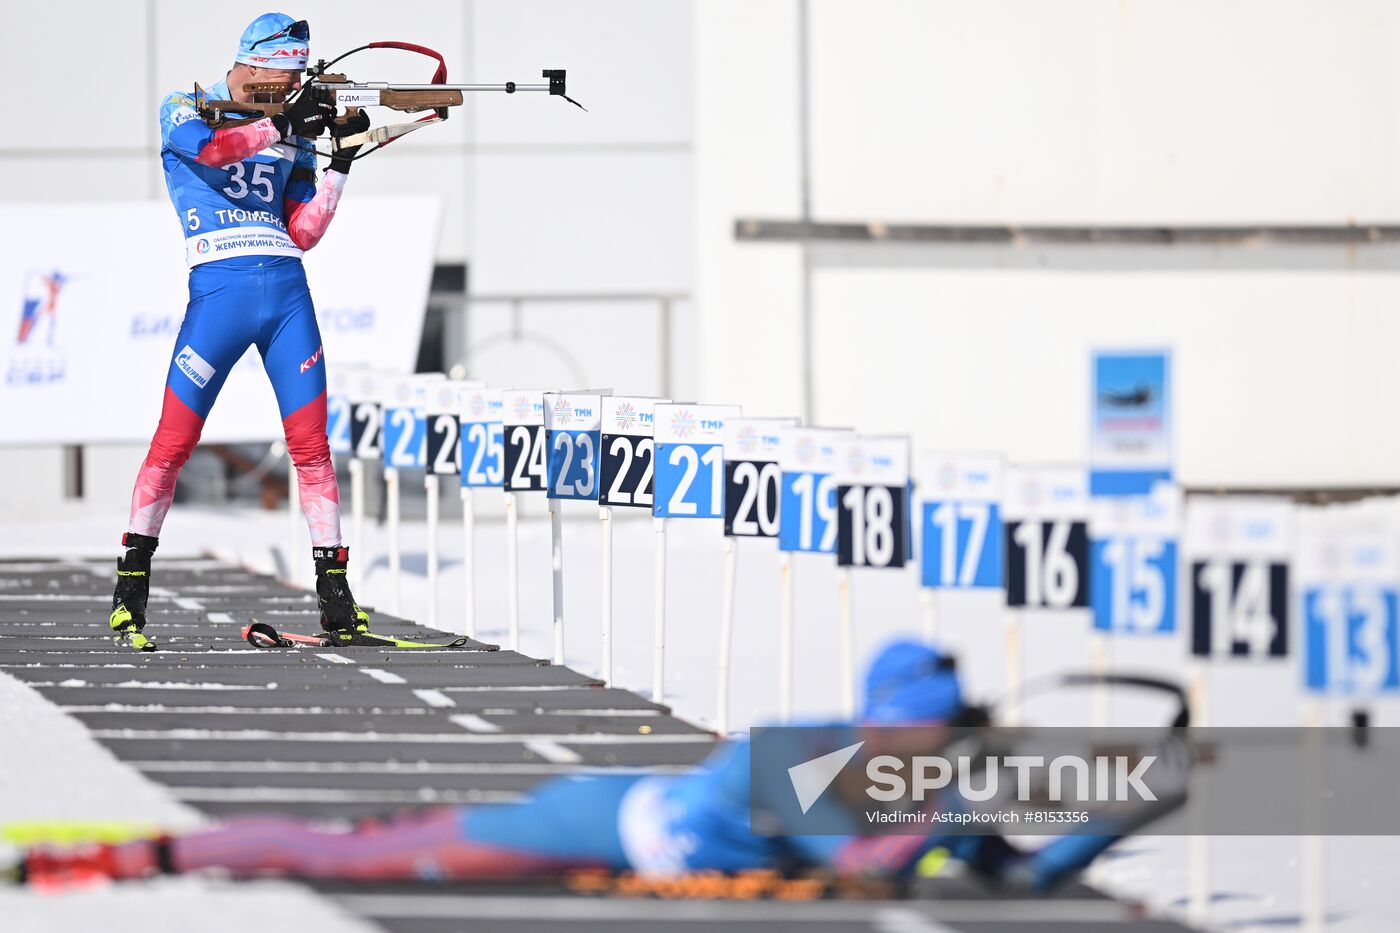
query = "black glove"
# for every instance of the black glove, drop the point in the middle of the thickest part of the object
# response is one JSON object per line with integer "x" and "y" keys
{"x": 306, "y": 117}
{"x": 357, "y": 122}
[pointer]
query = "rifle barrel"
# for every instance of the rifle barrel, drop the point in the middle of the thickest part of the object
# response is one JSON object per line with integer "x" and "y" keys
{"x": 387, "y": 86}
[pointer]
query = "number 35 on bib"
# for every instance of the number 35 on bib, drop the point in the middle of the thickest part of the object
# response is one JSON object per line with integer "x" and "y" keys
{"x": 1047, "y": 537}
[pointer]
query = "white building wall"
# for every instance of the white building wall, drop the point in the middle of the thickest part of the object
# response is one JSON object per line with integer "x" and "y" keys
{"x": 1078, "y": 112}
{"x": 746, "y": 163}
{"x": 1282, "y": 377}
{"x": 1115, "y": 111}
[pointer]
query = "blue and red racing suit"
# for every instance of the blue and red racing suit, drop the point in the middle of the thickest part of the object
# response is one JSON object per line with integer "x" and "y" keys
{"x": 658, "y": 825}
{"x": 250, "y": 206}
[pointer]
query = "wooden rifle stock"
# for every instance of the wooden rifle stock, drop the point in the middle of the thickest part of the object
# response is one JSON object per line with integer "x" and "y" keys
{"x": 333, "y": 89}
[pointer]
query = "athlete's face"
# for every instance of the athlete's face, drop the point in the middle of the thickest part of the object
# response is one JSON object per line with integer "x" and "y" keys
{"x": 288, "y": 78}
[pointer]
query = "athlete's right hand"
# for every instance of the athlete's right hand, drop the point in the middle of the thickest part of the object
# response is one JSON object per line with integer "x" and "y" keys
{"x": 306, "y": 117}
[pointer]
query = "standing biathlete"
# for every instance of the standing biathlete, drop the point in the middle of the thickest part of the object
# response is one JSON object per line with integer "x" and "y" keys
{"x": 250, "y": 205}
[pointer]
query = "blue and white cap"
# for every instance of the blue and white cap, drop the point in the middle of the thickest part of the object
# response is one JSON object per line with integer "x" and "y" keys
{"x": 275, "y": 40}
{"x": 910, "y": 682}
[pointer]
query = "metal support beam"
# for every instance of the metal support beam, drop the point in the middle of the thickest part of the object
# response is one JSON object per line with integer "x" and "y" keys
{"x": 809, "y": 231}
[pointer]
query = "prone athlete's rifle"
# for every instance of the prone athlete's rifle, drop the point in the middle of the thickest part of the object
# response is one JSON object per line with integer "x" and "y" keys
{"x": 340, "y": 91}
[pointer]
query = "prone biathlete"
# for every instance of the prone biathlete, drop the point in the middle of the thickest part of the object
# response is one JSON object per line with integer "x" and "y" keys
{"x": 656, "y": 825}
{"x": 249, "y": 202}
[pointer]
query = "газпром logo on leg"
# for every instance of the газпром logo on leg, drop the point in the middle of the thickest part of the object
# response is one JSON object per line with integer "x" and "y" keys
{"x": 194, "y": 366}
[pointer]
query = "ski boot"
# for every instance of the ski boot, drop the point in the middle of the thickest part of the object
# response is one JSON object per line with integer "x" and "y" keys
{"x": 133, "y": 588}
{"x": 341, "y": 618}
{"x": 51, "y": 870}
{"x": 82, "y": 865}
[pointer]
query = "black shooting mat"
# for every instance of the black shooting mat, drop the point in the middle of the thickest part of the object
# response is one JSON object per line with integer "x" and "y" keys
{"x": 351, "y": 732}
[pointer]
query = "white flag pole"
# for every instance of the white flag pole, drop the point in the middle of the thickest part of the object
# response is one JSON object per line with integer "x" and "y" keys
{"x": 1098, "y": 665}
{"x": 848, "y": 651}
{"x": 658, "y": 672}
{"x": 513, "y": 570}
{"x": 928, "y": 611}
{"x": 391, "y": 490}
{"x": 1198, "y": 848}
{"x": 785, "y": 635}
{"x": 295, "y": 521}
{"x": 726, "y": 634}
{"x": 469, "y": 559}
{"x": 357, "y": 518}
{"x": 1013, "y": 667}
{"x": 430, "y": 484}
{"x": 556, "y": 558}
{"x": 1313, "y": 856}
{"x": 605, "y": 523}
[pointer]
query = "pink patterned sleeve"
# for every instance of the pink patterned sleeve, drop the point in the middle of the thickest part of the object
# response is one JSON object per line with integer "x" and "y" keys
{"x": 307, "y": 223}
{"x": 236, "y": 143}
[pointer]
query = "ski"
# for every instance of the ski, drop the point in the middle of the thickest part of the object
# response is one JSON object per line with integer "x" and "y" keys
{"x": 26, "y": 834}
{"x": 262, "y": 635}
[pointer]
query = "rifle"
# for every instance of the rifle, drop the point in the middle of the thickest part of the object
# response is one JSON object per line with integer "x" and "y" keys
{"x": 340, "y": 91}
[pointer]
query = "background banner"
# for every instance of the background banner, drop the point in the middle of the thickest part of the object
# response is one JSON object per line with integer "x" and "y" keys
{"x": 91, "y": 299}
{"x": 1130, "y": 437}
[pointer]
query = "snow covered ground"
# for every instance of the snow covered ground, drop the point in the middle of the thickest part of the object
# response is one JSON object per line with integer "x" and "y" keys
{"x": 51, "y": 769}
{"x": 1257, "y": 882}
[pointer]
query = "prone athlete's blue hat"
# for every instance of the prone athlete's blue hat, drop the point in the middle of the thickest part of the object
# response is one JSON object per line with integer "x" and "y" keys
{"x": 911, "y": 682}
{"x": 275, "y": 40}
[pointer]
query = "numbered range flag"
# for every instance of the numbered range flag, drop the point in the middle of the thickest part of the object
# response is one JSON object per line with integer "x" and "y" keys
{"x": 573, "y": 423}
{"x": 1046, "y": 511}
{"x": 807, "y": 510}
{"x": 1134, "y": 542}
{"x": 405, "y": 421}
{"x": 368, "y": 391}
{"x": 444, "y": 430}
{"x": 1238, "y": 550}
{"x": 481, "y": 445}
{"x": 872, "y": 501}
{"x": 340, "y": 383}
{"x": 960, "y": 520}
{"x": 752, "y": 477}
{"x": 1348, "y": 569}
{"x": 523, "y": 431}
{"x": 690, "y": 460}
{"x": 629, "y": 453}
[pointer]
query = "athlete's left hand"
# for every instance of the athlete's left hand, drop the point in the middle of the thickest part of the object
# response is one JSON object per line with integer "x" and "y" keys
{"x": 358, "y": 122}
{"x": 306, "y": 117}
